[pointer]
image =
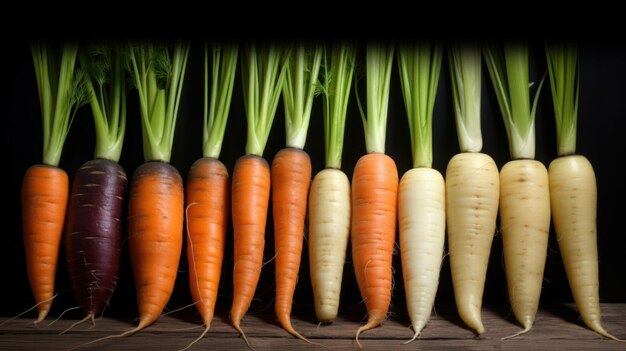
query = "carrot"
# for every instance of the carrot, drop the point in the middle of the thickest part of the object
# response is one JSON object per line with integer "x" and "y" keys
{"x": 263, "y": 76}
{"x": 291, "y": 177}
{"x": 94, "y": 224}
{"x": 44, "y": 202}
{"x": 207, "y": 193}
{"x": 45, "y": 187}
{"x": 156, "y": 200}
{"x": 472, "y": 189}
{"x": 207, "y": 199}
{"x": 329, "y": 199}
{"x": 155, "y": 224}
{"x": 374, "y": 195}
{"x": 573, "y": 190}
{"x": 421, "y": 195}
{"x": 524, "y": 192}
{"x": 250, "y": 197}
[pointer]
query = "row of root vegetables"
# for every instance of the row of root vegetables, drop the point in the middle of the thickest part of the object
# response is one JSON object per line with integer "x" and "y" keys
{"x": 364, "y": 211}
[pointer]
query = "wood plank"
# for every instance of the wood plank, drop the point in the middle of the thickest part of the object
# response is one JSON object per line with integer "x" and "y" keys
{"x": 556, "y": 328}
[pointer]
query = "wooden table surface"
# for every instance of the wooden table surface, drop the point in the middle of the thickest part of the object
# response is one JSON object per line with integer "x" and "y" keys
{"x": 557, "y": 327}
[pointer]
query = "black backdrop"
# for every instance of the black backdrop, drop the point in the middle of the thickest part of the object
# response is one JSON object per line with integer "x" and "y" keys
{"x": 600, "y": 138}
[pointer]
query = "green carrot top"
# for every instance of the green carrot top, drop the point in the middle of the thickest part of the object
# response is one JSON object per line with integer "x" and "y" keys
{"x": 465, "y": 68}
{"x": 104, "y": 68}
{"x": 508, "y": 69}
{"x": 217, "y": 106}
{"x": 263, "y": 74}
{"x": 62, "y": 90}
{"x": 420, "y": 66}
{"x": 379, "y": 60}
{"x": 158, "y": 75}
{"x": 337, "y": 80}
{"x": 563, "y": 66}
{"x": 299, "y": 90}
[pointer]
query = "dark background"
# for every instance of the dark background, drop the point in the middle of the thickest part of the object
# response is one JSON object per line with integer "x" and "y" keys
{"x": 600, "y": 137}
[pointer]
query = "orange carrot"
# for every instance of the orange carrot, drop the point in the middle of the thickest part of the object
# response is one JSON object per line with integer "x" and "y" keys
{"x": 375, "y": 194}
{"x": 208, "y": 190}
{"x": 374, "y": 200}
{"x": 44, "y": 201}
{"x": 155, "y": 225}
{"x": 156, "y": 201}
{"x": 207, "y": 219}
{"x": 291, "y": 177}
{"x": 45, "y": 188}
{"x": 250, "y": 200}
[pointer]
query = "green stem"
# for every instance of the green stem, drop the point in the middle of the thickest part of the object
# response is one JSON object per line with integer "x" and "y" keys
{"x": 222, "y": 82}
{"x": 159, "y": 79}
{"x": 338, "y": 74}
{"x": 563, "y": 68}
{"x": 508, "y": 68}
{"x": 106, "y": 82}
{"x": 465, "y": 68}
{"x": 62, "y": 90}
{"x": 299, "y": 90}
{"x": 379, "y": 60}
{"x": 420, "y": 66}
{"x": 263, "y": 74}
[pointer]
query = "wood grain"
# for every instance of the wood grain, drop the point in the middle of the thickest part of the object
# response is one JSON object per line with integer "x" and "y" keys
{"x": 556, "y": 328}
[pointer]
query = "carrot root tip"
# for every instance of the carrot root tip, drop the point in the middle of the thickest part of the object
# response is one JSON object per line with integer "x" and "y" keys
{"x": 42, "y": 315}
{"x": 206, "y": 330}
{"x": 89, "y": 317}
{"x": 139, "y": 327}
{"x": 598, "y": 329}
{"x": 521, "y": 332}
{"x": 371, "y": 324}
{"x": 412, "y": 339}
{"x": 243, "y": 335}
{"x": 290, "y": 329}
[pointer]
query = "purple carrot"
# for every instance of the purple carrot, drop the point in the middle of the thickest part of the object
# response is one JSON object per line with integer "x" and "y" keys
{"x": 94, "y": 217}
{"x": 93, "y": 234}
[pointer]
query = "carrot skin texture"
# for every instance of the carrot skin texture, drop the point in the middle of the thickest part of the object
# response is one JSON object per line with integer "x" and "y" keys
{"x": 207, "y": 198}
{"x": 525, "y": 220}
{"x": 574, "y": 199}
{"x": 93, "y": 232}
{"x": 374, "y": 208}
{"x": 250, "y": 202}
{"x": 155, "y": 221}
{"x": 291, "y": 178}
{"x": 329, "y": 231}
{"x": 472, "y": 195}
{"x": 45, "y": 191}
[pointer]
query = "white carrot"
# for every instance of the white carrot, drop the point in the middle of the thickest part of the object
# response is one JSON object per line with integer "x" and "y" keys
{"x": 573, "y": 193}
{"x": 329, "y": 198}
{"x": 421, "y": 195}
{"x": 524, "y": 192}
{"x": 472, "y": 190}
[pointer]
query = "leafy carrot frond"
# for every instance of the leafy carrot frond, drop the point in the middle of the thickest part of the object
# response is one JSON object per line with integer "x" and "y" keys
{"x": 106, "y": 81}
{"x": 158, "y": 73}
